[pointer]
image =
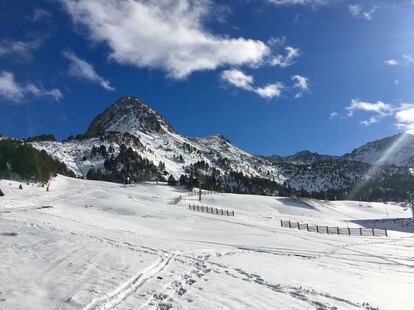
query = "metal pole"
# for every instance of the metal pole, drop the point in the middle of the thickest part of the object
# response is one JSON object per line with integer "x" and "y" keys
{"x": 199, "y": 189}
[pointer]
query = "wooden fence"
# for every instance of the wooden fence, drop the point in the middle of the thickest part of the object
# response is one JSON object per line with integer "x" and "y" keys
{"x": 210, "y": 210}
{"x": 335, "y": 230}
{"x": 195, "y": 192}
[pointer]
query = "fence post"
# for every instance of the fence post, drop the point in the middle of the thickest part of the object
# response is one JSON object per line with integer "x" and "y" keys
{"x": 281, "y": 223}
{"x": 373, "y": 233}
{"x": 227, "y": 212}
{"x": 360, "y": 231}
{"x": 337, "y": 230}
{"x": 307, "y": 227}
{"x": 290, "y": 225}
{"x": 298, "y": 226}
{"x": 386, "y": 233}
{"x": 317, "y": 228}
{"x": 349, "y": 231}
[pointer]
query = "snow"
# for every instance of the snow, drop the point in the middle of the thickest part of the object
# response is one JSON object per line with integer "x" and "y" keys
{"x": 98, "y": 245}
{"x": 395, "y": 150}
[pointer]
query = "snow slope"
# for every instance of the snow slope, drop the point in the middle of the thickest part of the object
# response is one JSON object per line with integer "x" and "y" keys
{"x": 395, "y": 150}
{"x": 97, "y": 245}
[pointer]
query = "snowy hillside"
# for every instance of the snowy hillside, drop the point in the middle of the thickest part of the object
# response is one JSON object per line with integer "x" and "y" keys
{"x": 99, "y": 245}
{"x": 396, "y": 150}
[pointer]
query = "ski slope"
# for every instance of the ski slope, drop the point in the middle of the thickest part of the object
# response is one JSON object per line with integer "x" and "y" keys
{"x": 96, "y": 245}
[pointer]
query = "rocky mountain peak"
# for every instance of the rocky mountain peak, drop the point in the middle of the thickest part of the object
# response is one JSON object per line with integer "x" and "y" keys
{"x": 128, "y": 114}
{"x": 395, "y": 150}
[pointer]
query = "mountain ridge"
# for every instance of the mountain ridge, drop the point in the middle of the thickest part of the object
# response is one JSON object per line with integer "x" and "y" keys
{"x": 130, "y": 141}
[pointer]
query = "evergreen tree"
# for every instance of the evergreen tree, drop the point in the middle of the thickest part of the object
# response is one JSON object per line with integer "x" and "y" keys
{"x": 171, "y": 180}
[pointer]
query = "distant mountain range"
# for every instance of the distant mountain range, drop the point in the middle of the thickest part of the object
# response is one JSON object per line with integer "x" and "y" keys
{"x": 395, "y": 150}
{"x": 131, "y": 141}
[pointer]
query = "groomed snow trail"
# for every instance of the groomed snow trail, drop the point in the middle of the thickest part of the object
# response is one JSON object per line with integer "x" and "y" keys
{"x": 113, "y": 299}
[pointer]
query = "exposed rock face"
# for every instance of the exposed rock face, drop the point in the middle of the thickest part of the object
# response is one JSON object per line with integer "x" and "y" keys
{"x": 128, "y": 114}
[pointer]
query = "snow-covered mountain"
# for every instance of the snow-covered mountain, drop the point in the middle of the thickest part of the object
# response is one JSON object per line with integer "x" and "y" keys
{"x": 133, "y": 123}
{"x": 130, "y": 135}
{"x": 395, "y": 150}
{"x": 303, "y": 158}
{"x": 130, "y": 115}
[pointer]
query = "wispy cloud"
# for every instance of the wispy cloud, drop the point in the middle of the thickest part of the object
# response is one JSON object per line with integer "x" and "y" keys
{"x": 333, "y": 115}
{"x": 83, "y": 70}
{"x": 239, "y": 79}
{"x": 378, "y": 110}
{"x": 392, "y": 62}
{"x": 167, "y": 35}
{"x": 19, "y": 50}
{"x": 358, "y": 11}
{"x": 287, "y": 59}
{"x": 39, "y": 14}
{"x": 301, "y": 83}
{"x": 16, "y": 92}
{"x": 402, "y": 113}
{"x": 299, "y": 2}
{"x": 408, "y": 58}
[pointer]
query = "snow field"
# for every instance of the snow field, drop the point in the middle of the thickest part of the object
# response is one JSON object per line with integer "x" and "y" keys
{"x": 109, "y": 246}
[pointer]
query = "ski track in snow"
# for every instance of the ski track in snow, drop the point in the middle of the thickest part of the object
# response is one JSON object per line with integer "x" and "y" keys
{"x": 111, "y": 300}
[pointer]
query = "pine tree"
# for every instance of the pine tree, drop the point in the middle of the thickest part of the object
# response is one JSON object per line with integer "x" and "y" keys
{"x": 171, "y": 180}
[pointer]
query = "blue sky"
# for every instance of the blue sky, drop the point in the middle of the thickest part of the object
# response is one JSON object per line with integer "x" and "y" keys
{"x": 273, "y": 76}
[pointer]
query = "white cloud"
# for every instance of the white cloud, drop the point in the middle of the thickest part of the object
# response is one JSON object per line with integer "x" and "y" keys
{"x": 241, "y": 80}
{"x": 271, "y": 90}
{"x": 358, "y": 11}
{"x": 379, "y": 110}
{"x": 392, "y": 62}
{"x": 333, "y": 115}
{"x": 403, "y": 114}
{"x": 286, "y": 60}
{"x": 167, "y": 34}
{"x": 238, "y": 78}
{"x": 14, "y": 91}
{"x": 298, "y": 2}
{"x": 408, "y": 58}
{"x": 371, "y": 120}
{"x": 378, "y": 107}
{"x": 81, "y": 69}
{"x": 405, "y": 118}
{"x": 301, "y": 83}
{"x": 19, "y": 50}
